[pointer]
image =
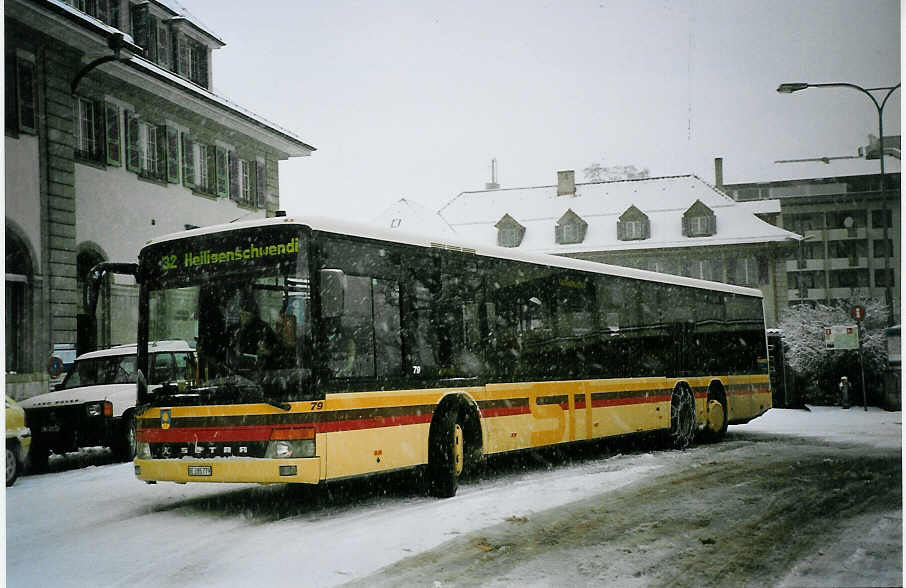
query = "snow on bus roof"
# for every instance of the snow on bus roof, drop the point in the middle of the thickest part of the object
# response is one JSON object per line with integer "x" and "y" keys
{"x": 131, "y": 348}
{"x": 448, "y": 242}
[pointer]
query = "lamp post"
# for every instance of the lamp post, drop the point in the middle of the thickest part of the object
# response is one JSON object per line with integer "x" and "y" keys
{"x": 789, "y": 88}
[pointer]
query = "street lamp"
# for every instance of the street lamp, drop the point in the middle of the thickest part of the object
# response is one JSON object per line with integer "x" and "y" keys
{"x": 789, "y": 88}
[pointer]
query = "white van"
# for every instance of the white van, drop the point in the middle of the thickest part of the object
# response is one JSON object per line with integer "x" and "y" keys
{"x": 94, "y": 405}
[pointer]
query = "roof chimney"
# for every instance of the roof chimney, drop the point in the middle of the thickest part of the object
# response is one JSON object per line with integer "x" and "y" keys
{"x": 493, "y": 185}
{"x": 566, "y": 183}
{"x": 718, "y": 171}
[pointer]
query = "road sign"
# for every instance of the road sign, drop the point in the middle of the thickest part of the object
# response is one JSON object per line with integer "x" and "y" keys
{"x": 841, "y": 337}
{"x": 857, "y": 312}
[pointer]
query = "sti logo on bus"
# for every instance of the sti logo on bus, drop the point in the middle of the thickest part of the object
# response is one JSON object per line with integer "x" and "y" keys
{"x": 165, "y": 418}
{"x": 210, "y": 257}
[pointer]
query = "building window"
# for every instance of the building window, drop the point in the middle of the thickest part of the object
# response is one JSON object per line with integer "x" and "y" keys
{"x": 150, "y": 162}
{"x": 570, "y": 233}
{"x": 570, "y": 229}
{"x": 880, "y": 218}
{"x": 882, "y": 250}
{"x": 633, "y": 225}
{"x": 702, "y": 269}
{"x": 884, "y": 278}
{"x": 633, "y": 230}
{"x": 84, "y": 129}
{"x": 509, "y": 232}
{"x": 192, "y": 60}
{"x": 699, "y": 221}
{"x": 699, "y": 225}
{"x": 106, "y": 11}
{"x": 661, "y": 265}
{"x": 849, "y": 279}
{"x": 163, "y": 45}
{"x": 745, "y": 272}
{"x": 245, "y": 181}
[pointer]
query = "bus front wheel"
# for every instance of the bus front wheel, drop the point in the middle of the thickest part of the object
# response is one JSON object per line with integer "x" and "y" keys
{"x": 446, "y": 455}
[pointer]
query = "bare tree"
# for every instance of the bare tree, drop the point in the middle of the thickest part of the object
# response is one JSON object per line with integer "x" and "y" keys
{"x": 596, "y": 172}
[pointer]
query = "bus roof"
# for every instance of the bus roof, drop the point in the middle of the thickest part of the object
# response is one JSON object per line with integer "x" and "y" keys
{"x": 333, "y": 225}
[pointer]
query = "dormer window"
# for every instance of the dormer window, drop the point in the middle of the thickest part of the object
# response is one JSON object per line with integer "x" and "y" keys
{"x": 509, "y": 232}
{"x": 633, "y": 225}
{"x": 570, "y": 229}
{"x": 699, "y": 221}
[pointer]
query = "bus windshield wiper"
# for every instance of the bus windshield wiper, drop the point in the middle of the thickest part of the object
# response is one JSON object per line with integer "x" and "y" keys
{"x": 277, "y": 404}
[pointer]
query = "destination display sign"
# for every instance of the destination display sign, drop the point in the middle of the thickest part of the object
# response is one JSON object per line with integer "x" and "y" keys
{"x": 221, "y": 252}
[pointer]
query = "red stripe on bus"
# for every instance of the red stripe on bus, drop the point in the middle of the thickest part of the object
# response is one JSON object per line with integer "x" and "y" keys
{"x": 263, "y": 432}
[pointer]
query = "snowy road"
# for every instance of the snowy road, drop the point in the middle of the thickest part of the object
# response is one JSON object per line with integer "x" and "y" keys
{"x": 793, "y": 498}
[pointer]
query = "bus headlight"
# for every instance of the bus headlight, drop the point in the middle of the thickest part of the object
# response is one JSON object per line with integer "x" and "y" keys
{"x": 143, "y": 450}
{"x": 287, "y": 443}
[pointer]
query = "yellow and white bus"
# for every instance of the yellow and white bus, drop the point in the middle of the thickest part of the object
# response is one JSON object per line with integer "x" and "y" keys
{"x": 329, "y": 350}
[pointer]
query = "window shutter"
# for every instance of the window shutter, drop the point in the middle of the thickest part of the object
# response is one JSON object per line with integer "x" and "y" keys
{"x": 140, "y": 25}
{"x": 558, "y": 234}
{"x": 162, "y": 165}
{"x": 260, "y": 184}
{"x": 182, "y": 55}
{"x": 26, "y": 88}
{"x": 172, "y": 149}
{"x": 188, "y": 161}
{"x": 10, "y": 93}
{"x": 712, "y": 225}
{"x": 685, "y": 226}
{"x": 99, "y": 149}
{"x": 102, "y": 11}
{"x": 133, "y": 148}
{"x": 211, "y": 185}
{"x": 222, "y": 172}
{"x": 112, "y": 134}
{"x": 163, "y": 45}
{"x": 151, "y": 49}
{"x": 621, "y": 231}
{"x": 646, "y": 228}
{"x": 235, "y": 192}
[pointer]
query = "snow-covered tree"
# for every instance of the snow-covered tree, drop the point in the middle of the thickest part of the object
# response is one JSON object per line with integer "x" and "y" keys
{"x": 802, "y": 329}
{"x": 598, "y": 173}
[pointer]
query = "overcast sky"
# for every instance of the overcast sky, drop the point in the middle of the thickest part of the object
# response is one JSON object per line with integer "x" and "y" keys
{"x": 413, "y": 99}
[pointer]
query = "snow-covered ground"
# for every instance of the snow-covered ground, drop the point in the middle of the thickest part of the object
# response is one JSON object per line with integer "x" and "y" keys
{"x": 98, "y": 526}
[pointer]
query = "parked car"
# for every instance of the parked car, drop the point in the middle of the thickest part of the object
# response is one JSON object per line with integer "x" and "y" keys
{"x": 18, "y": 440}
{"x": 95, "y": 403}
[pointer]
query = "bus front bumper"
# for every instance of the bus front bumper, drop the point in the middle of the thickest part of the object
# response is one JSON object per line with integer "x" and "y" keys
{"x": 248, "y": 470}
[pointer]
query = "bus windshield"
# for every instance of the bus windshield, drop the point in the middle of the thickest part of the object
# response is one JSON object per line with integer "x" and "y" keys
{"x": 249, "y": 321}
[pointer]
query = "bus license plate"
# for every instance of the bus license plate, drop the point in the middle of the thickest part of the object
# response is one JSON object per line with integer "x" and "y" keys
{"x": 199, "y": 470}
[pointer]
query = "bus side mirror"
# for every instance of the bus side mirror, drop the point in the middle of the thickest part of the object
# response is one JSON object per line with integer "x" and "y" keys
{"x": 333, "y": 292}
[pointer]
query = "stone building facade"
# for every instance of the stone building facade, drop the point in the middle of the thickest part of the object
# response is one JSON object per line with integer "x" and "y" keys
{"x": 113, "y": 136}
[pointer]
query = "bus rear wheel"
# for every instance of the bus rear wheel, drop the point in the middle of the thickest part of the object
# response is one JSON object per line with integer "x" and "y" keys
{"x": 682, "y": 417}
{"x": 446, "y": 455}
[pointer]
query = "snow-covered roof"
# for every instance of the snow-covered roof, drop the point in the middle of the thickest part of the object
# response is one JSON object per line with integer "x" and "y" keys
{"x": 409, "y": 215}
{"x": 664, "y": 200}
